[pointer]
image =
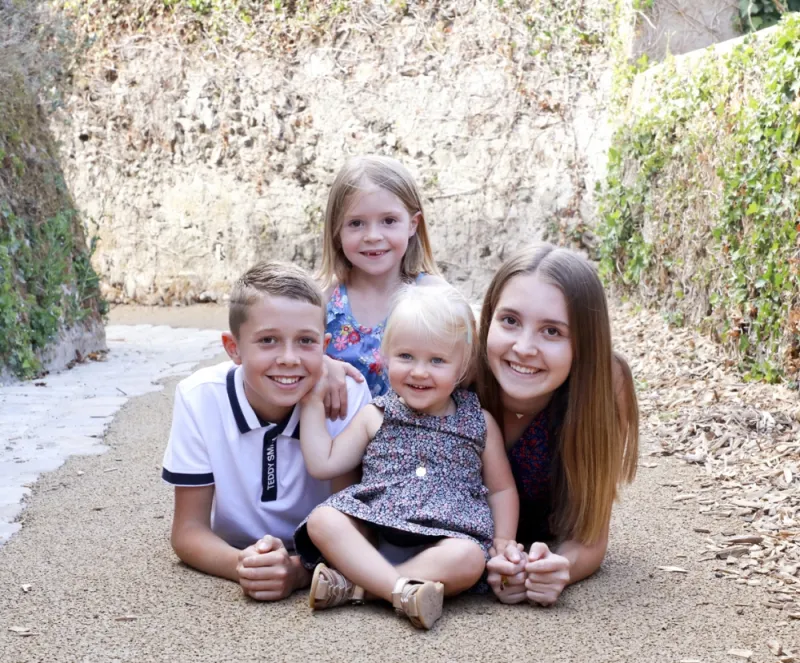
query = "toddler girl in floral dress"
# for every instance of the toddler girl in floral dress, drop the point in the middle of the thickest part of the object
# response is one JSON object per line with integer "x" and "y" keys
{"x": 436, "y": 478}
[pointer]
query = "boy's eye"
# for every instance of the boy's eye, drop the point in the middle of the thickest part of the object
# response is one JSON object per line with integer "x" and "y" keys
{"x": 308, "y": 340}
{"x": 267, "y": 340}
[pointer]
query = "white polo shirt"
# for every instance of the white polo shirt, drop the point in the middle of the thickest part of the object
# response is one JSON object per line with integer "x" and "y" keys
{"x": 261, "y": 483}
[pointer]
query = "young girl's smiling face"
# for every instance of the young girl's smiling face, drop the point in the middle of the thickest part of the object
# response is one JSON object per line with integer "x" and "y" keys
{"x": 425, "y": 371}
{"x": 529, "y": 345}
{"x": 375, "y": 231}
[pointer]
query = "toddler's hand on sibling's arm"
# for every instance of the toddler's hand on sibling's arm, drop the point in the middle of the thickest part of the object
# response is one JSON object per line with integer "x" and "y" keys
{"x": 335, "y": 387}
{"x": 267, "y": 572}
{"x": 507, "y": 574}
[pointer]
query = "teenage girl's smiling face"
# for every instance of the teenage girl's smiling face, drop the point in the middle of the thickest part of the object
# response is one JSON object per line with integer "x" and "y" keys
{"x": 528, "y": 344}
{"x": 375, "y": 231}
{"x": 280, "y": 348}
{"x": 424, "y": 371}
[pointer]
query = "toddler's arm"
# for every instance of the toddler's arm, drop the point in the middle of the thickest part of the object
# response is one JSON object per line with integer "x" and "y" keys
{"x": 326, "y": 458}
{"x": 497, "y": 477}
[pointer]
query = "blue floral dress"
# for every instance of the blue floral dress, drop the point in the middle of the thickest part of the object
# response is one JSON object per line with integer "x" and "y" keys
{"x": 354, "y": 343}
{"x": 531, "y": 460}
{"x": 422, "y": 475}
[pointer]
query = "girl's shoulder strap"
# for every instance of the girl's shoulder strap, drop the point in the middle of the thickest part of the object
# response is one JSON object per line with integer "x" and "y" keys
{"x": 469, "y": 410}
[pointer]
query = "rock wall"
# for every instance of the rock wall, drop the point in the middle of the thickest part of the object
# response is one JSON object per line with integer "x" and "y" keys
{"x": 50, "y": 310}
{"x": 191, "y": 162}
{"x": 681, "y": 26}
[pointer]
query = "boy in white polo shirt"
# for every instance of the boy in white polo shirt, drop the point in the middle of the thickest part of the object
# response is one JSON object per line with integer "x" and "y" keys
{"x": 241, "y": 486}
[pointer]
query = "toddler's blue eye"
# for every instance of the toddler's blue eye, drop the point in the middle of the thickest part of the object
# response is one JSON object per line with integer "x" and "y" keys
{"x": 437, "y": 360}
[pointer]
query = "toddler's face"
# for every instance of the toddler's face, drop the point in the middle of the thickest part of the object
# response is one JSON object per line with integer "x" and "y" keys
{"x": 424, "y": 371}
{"x": 375, "y": 231}
{"x": 280, "y": 348}
{"x": 528, "y": 345}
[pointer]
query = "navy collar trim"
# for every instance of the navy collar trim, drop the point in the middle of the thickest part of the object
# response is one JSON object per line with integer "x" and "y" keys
{"x": 241, "y": 420}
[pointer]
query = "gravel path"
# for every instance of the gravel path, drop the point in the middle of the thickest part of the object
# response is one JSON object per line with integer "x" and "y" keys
{"x": 91, "y": 576}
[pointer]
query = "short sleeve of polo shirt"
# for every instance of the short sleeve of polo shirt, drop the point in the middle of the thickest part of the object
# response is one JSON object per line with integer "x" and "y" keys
{"x": 186, "y": 461}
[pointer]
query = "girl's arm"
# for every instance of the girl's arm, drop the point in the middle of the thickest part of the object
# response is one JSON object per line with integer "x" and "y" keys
{"x": 497, "y": 477}
{"x": 328, "y": 458}
{"x": 584, "y": 559}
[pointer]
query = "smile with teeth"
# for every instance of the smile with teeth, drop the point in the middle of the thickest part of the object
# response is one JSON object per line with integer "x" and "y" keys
{"x": 280, "y": 379}
{"x": 418, "y": 387}
{"x": 525, "y": 370}
{"x": 374, "y": 254}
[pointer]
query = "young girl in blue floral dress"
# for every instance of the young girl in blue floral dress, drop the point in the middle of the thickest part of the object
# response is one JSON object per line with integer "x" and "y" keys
{"x": 375, "y": 241}
{"x": 436, "y": 479}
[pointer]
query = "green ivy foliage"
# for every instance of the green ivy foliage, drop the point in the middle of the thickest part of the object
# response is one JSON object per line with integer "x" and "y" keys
{"x": 701, "y": 208}
{"x": 46, "y": 281}
{"x": 760, "y": 14}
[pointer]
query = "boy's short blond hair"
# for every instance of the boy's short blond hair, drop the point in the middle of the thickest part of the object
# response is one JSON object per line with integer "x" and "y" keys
{"x": 276, "y": 279}
{"x": 439, "y": 311}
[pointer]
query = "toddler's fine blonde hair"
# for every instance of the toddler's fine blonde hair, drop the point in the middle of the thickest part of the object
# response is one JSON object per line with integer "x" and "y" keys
{"x": 438, "y": 312}
{"x": 357, "y": 175}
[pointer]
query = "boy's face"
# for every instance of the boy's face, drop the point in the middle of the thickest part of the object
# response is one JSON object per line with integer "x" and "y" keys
{"x": 280, "y": 348}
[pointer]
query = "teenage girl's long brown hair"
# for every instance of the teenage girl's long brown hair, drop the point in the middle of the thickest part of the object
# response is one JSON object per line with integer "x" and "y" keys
{"x": 354, "y": 176}
{"x": 597, "y": 439}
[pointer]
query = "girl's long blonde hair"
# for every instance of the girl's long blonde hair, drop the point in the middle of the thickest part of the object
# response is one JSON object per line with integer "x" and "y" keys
{"x": 597, "y": 428}
{"x": 357, "y": 174}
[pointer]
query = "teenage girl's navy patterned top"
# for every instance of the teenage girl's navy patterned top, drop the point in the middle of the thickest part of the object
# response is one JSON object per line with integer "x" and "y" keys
{"x": 531, "y": 460}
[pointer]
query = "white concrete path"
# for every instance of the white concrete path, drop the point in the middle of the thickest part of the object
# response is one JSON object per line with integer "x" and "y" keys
{"x": 42, "y": 422}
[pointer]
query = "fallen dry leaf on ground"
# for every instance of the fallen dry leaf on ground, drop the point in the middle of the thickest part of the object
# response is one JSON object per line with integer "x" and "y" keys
{"x": 22, "y": 631}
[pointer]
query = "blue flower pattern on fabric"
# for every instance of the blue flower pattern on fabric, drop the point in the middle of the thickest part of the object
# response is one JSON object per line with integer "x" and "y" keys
{"x": 354, "y": 343}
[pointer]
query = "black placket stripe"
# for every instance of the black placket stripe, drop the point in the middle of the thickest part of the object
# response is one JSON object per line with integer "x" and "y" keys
{"x": 269, "y": 462}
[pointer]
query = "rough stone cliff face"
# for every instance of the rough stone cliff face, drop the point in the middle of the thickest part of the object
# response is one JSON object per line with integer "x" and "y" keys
{"x": 191, "y": 162}
{"x": 50, "y": 311}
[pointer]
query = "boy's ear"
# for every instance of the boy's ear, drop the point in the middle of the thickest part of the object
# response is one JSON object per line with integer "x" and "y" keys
{"x": 414, "y": 223}
{"x": 231, "y": 346}
{"x": 325, "y": 342}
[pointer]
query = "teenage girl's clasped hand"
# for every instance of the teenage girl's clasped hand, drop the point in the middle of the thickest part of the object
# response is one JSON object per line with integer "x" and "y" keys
{"x": 538, "y": 576}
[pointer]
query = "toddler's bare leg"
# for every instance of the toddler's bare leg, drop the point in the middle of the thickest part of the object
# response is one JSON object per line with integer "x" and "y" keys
{"x": 343, "y": 542}
{"x": 457, "y": 563}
